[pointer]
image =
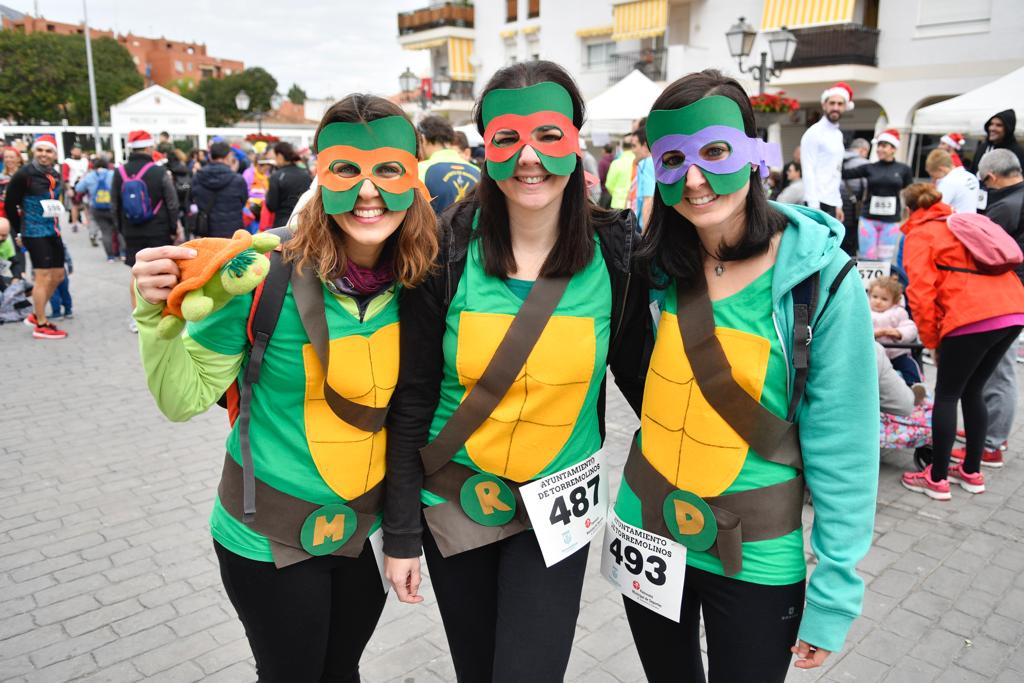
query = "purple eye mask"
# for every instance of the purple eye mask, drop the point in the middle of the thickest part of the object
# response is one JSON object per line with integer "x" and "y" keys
{"x": 744, "y": 150}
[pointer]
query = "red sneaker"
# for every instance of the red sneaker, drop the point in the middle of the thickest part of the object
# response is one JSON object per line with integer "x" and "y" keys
{"x": 48, "y": 331}
{"x": 972, "y": 483}
{"x": 962, "y": 438}
{"x": 31, "y": 320}
{"x": 988, "y": 458}
{"x": 921, "y": 482}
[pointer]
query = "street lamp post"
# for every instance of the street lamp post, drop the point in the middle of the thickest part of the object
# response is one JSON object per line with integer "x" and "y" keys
{"x": 242, "y": 102}
{"x": 441, "y": 86}
{"x": 781, "y": 43}
{"x": 92, "y": 78}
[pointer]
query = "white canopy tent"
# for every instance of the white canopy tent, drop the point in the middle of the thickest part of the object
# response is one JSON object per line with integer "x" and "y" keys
{"x": 157, "y": 109}
{"x": 473, "y": 136}
{"x": 614, "y": 111}
{"x": 969, "y": 112}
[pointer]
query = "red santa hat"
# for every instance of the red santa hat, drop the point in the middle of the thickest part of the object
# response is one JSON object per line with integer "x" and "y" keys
{"x": 890, "y": 135}
{"x": 45, "y": 140}
{"x": 954, "y": 140}
{"x": 842, "y": 90}
{"x": 140, "y": 139}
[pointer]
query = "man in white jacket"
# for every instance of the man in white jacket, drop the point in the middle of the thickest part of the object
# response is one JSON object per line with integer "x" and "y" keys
{"x": 822, "y": 149}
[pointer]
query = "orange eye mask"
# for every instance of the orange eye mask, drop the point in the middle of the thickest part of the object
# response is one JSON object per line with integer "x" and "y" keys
{"x": 376, "y": 165}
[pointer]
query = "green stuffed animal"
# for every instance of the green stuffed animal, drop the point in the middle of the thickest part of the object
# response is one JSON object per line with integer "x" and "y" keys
{"x": 221, "y": 269}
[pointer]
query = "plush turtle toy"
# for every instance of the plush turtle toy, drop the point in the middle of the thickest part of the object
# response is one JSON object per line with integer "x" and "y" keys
{"x": 221, "y": 269}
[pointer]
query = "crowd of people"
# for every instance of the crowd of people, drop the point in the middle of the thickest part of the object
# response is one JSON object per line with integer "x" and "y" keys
{"x": 422, "y": 372}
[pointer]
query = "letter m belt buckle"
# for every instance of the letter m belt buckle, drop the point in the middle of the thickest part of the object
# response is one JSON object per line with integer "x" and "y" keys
{"x": 327, "y": 528}
{"x": 690, "y": 520}
{"x": 487, "y": 500}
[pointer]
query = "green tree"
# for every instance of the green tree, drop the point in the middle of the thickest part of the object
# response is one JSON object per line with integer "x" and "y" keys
{"x": 218, "y": 95}
{"x": 297, "y": 94}
{"x": 44, "y": 77}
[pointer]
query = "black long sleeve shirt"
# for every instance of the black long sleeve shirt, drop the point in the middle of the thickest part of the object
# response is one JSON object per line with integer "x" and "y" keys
{"x": 885, "y": 181}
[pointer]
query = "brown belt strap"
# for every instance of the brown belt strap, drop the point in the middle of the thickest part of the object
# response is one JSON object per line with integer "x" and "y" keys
{"x": 308, "y": 292}
{"x": 455, "y": 532}
{"x": 281, "y": 516}
{"x": 755, "y": 515}
{"x": 499, "y": 375}
{"x": 771, "y": 437}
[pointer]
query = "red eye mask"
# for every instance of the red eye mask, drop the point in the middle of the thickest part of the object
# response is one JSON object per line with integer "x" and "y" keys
{"x": 525, "y": 126}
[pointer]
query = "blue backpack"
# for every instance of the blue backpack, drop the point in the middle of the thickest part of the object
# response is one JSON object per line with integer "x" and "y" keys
{"x": 101, "y": 197}
{"x": 135, "y": 200}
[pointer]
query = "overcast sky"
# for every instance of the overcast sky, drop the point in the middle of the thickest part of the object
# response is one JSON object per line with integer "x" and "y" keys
{"x": 329, "y": 47}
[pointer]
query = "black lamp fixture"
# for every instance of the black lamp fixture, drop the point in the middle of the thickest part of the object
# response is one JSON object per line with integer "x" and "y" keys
{"x": 781, "y": 43}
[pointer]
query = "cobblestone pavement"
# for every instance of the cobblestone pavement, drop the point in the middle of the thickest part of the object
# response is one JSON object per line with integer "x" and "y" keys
{"x": 107, "y": 572}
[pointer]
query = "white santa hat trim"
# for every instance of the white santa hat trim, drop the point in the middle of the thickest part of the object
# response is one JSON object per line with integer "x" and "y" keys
{"x": 839, "y": 90}
{"x": 951, "y": 142}
{"x": 889, "y": 136}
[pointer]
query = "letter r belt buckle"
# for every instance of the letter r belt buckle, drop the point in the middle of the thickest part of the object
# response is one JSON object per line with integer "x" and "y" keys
{"x": 690, "y": 520}
{"x": 487, "y": 500}
{"x": 327, "y": 529}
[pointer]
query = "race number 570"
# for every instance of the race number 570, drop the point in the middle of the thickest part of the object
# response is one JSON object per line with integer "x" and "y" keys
{"x": 635, "y": 561}
{"x": 580, "y": 502}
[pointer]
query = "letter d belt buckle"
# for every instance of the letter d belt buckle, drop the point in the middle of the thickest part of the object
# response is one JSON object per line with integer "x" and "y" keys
{"x": 690, "y": 520}
{"x": 480, "y": 508}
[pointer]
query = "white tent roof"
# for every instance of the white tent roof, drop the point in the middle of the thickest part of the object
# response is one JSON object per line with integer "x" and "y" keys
{"x": 968, "y": 113}
{"x": 155, "y": 109}
{"x": 614, "y": 110}
{"x": 473, "y": 136}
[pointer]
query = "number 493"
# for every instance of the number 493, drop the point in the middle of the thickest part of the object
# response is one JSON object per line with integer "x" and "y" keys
{"x": 634, "y": 561}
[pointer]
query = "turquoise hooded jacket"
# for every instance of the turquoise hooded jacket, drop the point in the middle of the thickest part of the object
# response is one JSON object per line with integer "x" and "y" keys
{"x": 838, "y": 419}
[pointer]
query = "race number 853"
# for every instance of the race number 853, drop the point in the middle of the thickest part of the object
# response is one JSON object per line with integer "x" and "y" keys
{"x": 635, "y": 561}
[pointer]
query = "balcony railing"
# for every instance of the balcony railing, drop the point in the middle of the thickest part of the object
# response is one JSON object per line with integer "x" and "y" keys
{"x": 650, "y": 63}
{"x": 450, "y": 14}
{"x": 835, "y": 45}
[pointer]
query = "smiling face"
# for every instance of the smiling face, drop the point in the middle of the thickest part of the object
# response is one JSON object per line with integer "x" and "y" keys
{"x": 703, "y": 157}
{"x": 530, "y": 186}
{"x": 996, "y": 130}
{"x": 369, "y": 224}
{"x": 45, "y": 155}
{"x": 885, "y": 151}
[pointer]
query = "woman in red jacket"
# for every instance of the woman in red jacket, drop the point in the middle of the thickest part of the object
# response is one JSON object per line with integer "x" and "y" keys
{"x": 969, "y": 319}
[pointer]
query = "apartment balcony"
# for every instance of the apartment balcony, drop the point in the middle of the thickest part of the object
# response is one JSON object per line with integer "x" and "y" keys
{"x": 457, "y": 14}
{"x": 650, "y": 63}
{"x": 835, "y": 45}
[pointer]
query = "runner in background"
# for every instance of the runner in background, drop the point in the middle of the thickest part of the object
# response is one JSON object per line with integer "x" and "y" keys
{"x": 879, "y": 226}
{"x": 73, "y": 170}
{"x": 821, "y": 152}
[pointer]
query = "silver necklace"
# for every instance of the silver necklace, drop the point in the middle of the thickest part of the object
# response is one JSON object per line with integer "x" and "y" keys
{"x": 719, "y": 266}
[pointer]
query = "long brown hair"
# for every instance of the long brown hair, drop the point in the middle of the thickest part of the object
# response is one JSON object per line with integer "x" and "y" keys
{"x": 574, "y": 247}
{"x": 318, "y": 240}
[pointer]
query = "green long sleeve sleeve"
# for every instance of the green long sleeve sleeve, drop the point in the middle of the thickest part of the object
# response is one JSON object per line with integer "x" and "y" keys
{"x": 183, "y": 376}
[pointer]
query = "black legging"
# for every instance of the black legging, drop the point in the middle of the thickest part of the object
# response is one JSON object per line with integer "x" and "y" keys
{"x": 749, "y": 627}
{"x": 309, "y": 621}
{"x": 507, "y": 616}
{"x": 965, "y": 364}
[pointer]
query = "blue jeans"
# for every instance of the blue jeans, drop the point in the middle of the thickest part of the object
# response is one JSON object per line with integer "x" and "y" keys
{"x": 61, "y": 297}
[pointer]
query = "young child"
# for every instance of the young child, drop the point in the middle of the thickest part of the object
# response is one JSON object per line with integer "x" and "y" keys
{"x": 62, "y": 295}
{"x": 892, "y": 324}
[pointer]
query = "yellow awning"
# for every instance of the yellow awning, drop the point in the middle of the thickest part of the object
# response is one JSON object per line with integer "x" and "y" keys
{"x": 595, "y": 31}
{"x": 459, "y": 51}
{"x": 530, "y": 30}
{"x": 425, "y": 44}
{"x": 639, "y": 19}
{"x": 509, "y": 33}
{"x": 798, "y": 13}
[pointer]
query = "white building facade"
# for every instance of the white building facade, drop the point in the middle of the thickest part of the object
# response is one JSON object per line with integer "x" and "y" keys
{"x": 898, "y": 55}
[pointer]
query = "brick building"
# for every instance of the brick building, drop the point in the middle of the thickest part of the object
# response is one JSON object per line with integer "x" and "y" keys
{"x": 159, "y": 60}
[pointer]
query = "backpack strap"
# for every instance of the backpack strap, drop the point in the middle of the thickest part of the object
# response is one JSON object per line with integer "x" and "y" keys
{"x": 805, "y": 301}
{"x": 266, "y": 308}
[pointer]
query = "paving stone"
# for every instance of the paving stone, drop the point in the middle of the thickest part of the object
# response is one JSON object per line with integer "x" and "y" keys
{"x": 173, "y": 653}
{"x": 859, "y": 668}
{"x": 108, "y": 614}
{"x": 72, "y": 647}
{"x": 134, "y": 645}
{"x": 67, "y": 670}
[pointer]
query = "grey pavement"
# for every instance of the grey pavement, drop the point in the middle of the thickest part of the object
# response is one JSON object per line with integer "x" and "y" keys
{"x": 107, "y": 571}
